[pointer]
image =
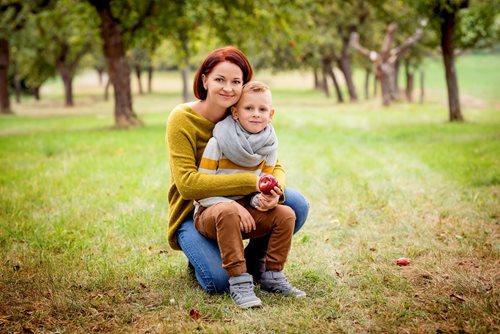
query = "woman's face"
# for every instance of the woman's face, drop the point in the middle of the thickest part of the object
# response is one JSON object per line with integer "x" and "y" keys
{"x": 224, "y": 84}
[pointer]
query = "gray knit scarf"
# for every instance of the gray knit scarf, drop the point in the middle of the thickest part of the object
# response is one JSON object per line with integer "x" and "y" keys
{"x": 242, "y": 147}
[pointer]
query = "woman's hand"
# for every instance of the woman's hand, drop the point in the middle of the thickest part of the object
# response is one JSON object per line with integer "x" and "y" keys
{"x": 247, "y": 223}
{"x": 268, "y": 202}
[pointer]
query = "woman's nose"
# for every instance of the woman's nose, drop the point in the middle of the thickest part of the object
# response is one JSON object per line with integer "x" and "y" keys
{"x": 227, "y": 87}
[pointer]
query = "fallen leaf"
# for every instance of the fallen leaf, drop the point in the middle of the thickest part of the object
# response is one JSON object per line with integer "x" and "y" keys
{"x": 194, "y": 314}
{"x": 454, "y": 295}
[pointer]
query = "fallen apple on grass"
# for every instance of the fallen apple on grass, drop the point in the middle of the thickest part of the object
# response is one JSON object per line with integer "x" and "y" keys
{"x": 403, "y": 261}
{"x": 267, "y": 183}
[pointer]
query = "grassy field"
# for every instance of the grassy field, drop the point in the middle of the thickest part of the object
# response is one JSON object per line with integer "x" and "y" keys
{"x": 83, "y": 216}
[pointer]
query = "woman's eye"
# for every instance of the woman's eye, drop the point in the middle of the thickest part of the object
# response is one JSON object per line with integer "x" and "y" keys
{"x": 237, "y": 82}
{"x": 218, "y": 79}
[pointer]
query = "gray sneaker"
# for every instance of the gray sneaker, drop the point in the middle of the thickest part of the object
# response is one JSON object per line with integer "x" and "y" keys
{"x": 275, "y": 281}
{"x": 241, "y": 290}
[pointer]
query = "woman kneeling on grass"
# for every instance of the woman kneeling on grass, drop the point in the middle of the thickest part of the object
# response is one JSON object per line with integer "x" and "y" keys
{"x": 218, "y": 85}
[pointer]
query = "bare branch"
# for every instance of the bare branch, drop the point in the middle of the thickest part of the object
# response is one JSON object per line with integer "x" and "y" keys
{"x": 354, "y": 43}
{"x": 410, "y": 41}
{"x": 388, "y": 39}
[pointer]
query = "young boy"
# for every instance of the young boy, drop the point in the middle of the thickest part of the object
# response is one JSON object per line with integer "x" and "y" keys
{"x": 245, "y": 142}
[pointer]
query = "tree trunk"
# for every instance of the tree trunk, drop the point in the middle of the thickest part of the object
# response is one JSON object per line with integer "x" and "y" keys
{"x": 4, "y": 77}
{"x": 67, "y": 79}
{"x": 99, "y": 74}
{"x": 340, "y": 97}
{"x": 317, "y": 84}
{"x": 324, "y": 75}
{"x": 409, "y": 82}
{"x": 118, "y": 67}
{"x": 385, "y": 75}
{"x": 17, "y": 85}
{"x": 185, "y": 84}
{"x": 448, "y": 50}
{"x": 396, "y": 89}
{"x": 36, "y": 93}
{"x": 367, "y": 83}
{"x": 345, "y": 67}
{"x": 328, "y": 70}
{"x": 375, "y": 85}
{"x": 422, "y": 86}
{"x": 106, "y": 89}
{"x": 150, "y": 79}
{"x": 138, "y": 73}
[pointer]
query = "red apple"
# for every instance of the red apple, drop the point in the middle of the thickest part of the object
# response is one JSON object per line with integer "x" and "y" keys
{"x": 403, "y": 261}
{"x": 267, "y": 183}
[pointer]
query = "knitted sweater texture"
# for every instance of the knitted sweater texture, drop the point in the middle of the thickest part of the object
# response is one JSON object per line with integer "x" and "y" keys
{"x": 187, "y": 135}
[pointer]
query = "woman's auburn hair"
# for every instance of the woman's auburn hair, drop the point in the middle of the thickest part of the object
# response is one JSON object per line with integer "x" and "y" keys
{"x": 228, "y": 53}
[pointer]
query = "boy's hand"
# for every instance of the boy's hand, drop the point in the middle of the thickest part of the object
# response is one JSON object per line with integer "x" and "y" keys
{"x": 268, "y": 202}
{"x": 247, "y": 223}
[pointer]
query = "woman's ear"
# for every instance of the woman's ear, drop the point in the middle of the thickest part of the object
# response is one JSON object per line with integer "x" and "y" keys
{"x": 204, "y": 80}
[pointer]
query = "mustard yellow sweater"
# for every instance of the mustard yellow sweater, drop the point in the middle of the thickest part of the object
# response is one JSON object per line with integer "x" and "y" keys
{"x": 187, "y": 135}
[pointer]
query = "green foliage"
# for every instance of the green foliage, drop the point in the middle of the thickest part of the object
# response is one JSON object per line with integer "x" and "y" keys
{"x": 477, "y": 26}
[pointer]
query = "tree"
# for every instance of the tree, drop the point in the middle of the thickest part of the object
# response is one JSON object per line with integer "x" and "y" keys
{"x": 119, "y": 20}
{"x": 386, "y": 59}
{"x": 13, "y": 15}
{"x": 71, "y": 35}
{"x": 11, "y": 19}
{"x": 448, "y": 11}
{"x": 140, "y": 59}
{"x": 29, "y": 63}
{"x": 460, "y": 25}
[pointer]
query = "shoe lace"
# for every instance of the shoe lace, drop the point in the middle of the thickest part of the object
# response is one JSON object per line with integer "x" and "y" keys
{"x": 282, "y": 283}
{"x": 244, "y": 288}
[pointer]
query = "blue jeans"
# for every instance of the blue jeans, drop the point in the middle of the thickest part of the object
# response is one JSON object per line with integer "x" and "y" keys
{"x": 204, "y": 254}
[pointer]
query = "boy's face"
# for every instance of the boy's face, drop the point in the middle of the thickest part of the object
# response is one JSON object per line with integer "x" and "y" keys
{"x": 254, "y": 111}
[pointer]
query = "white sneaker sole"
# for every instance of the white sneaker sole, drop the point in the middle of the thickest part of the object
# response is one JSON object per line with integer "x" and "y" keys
{"x": 255, "y": 303}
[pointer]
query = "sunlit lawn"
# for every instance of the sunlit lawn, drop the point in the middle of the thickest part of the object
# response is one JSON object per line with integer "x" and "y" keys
{"x": 83, "y": 220}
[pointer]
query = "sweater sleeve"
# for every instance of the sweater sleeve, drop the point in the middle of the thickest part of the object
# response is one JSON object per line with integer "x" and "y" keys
{"x": 209, "y": 164}
{"x": 279, "y": 174}
{"x": 192, "y": 184}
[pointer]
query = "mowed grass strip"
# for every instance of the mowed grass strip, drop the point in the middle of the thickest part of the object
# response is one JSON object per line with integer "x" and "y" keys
{"x": 83, "y": 224}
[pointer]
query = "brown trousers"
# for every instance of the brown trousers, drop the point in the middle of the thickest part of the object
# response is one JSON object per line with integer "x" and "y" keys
{"x": 221, "y": 222}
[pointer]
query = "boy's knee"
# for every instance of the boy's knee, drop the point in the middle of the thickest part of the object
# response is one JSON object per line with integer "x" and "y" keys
{"x": 287, "y": 213}
{"x": 226, "y": 209}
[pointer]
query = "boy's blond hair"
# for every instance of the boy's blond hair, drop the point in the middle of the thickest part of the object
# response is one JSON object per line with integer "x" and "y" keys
{"x": 256, "y": 87}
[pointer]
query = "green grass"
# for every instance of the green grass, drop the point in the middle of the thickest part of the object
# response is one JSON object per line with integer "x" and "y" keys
{"x": 83, "y": 222}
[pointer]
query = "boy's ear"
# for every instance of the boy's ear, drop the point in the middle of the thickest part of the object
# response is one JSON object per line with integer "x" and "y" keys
{"x": 234, "y": 112}
{"x": 271, "y": 114}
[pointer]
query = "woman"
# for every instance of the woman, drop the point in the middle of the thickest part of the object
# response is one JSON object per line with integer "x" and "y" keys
{"x": 217, "y": 86}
